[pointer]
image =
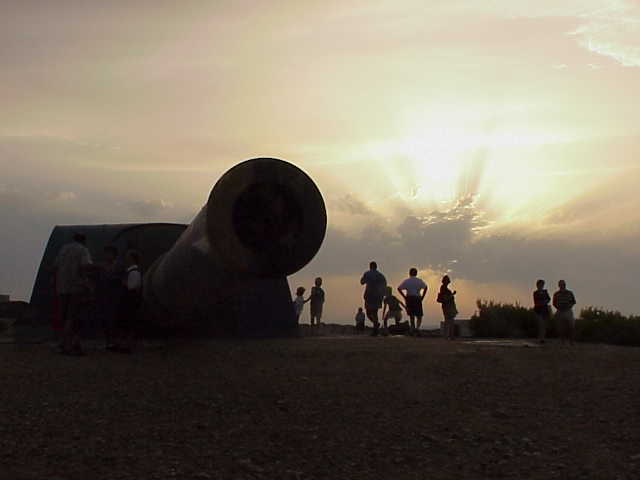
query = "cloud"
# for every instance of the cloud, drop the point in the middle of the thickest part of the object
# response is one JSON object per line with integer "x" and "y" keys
{"x": 351, "y": 205}
{"x": 149, "y": 209}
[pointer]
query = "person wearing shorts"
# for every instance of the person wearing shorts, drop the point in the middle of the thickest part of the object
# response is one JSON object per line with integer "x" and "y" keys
{"x": 541, "y": 308}
{"x": 373, "y": 294}
{"x": 413, "y": 290}
{"x": 563, "y": 301}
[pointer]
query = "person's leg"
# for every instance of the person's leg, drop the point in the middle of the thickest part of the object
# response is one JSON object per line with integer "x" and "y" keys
{"x": 372, "y": 315}
{"x": 418, "y": 321}
{"x": 75, "y": 311}
{"x": 64, "y": 314}
{"x": 541, "y": 327}
{"x": 412, "y": 322}
{"x": 572, "y": 326}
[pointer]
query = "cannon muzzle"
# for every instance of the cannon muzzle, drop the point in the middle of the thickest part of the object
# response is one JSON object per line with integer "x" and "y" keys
{"x": 226, "y": 274}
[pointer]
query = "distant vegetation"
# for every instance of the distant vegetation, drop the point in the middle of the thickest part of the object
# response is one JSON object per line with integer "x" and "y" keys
{"x": 501, "y": 320}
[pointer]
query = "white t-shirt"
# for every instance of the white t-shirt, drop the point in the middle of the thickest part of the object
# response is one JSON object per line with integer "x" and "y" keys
{"x": 134, "y": 279}
{"x": 70, "y": 278}
{"x": 412, "y": 285}
{"x": 298, "y": 304}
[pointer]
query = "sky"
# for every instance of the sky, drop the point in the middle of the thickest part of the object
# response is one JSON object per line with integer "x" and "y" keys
{"x": 495, "y": 140}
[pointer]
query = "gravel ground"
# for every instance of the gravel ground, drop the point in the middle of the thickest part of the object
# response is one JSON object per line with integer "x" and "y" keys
{"x": 321, "y": 407}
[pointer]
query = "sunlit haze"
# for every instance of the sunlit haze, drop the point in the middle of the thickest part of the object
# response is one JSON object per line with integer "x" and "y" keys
{"x": 497, "y": 141}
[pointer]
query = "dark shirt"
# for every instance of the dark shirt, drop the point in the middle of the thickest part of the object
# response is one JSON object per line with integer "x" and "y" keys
{"x": 317, "y": 296}
{"x": 375, "y": 285}
{"x": 393, "y": 303}
{"x": 541, "y": 301}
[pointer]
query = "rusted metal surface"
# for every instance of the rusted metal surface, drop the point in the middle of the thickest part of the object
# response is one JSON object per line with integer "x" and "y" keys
{"x": 226, "y": 274}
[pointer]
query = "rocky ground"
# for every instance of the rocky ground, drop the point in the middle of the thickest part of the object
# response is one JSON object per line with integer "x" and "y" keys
{"x": 321, "y": 408}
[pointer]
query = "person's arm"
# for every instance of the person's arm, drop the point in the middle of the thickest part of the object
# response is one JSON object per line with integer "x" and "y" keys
{"x": 555, "y": 300}
{"x": 573, "y": 299}
{"x": 401, "y": 293}
{"x": 363, "y": 280}
{"x": 402, "y": 305}
{"x": 424, "y": 292}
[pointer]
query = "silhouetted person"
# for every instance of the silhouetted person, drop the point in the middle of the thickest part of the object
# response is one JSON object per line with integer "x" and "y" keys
{"x": 394, "y": 307}
{"x": 298, "y": 303}
{"x": 130, "y": 303}
{"x": 541, "y": 308}
{"x": 109, "y": 293}
{"x": 72, "y": 285}
{"x": 447, "y": 298}
{"x": 416, "y": 290}
{"x": 360, "y": 318}
{"x": 564, "y": 300}
{"x": 317, "y": 302}
{"x": 373, "y": 294}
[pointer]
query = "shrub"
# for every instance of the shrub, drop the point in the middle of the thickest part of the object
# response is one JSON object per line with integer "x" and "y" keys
{"x": 496, "y": 319}
{"x": 607, "y": 326}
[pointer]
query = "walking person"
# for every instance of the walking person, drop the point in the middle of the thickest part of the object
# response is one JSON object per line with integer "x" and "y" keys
{"x": 130, "y": 303}
{"x": 563, "y": 301}
{"x": 373, "y": 294}
{"x": 72, "y": 285}
{"x": 317, "y": 302}
{"x": 447, "y": 298}
{"x": 413, "y": 290}
{"x": 392, "y": 308}
{"x": 542, "y": 309}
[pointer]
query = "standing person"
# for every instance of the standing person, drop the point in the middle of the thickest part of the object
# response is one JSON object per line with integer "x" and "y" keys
{"x": 109, "y": 293}
{"x": 541, "y": 308}
{"x": 298, "y": 303}
{"x": 564, "y": 300}
{"x": 130, "y": 303}
{"x": 414, "y": 292}
{"x": 72, "y": 286}
{"x": 395, "y": 309}
{"x": 447, "y": 298}
{"x": 373, "y": 294}
{"x": 360, "y": 318}
{"x": 317, "y": 301}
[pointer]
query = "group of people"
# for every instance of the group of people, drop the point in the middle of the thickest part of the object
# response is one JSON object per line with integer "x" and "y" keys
{"x": 115, "y": 289}
{"x": 412, "y": 290}
{"x": 316, "y": 299}
{"x": 563, "y": 301}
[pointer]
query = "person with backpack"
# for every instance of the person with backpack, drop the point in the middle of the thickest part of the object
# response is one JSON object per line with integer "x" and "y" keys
{"x": 448, "y": 300}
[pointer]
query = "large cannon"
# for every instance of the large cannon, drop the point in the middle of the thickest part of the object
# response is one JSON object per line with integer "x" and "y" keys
{"x": 226, "y": 274}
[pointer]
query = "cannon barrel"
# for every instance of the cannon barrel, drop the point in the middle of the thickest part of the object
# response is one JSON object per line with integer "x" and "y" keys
{"x": 226, "y": 274}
